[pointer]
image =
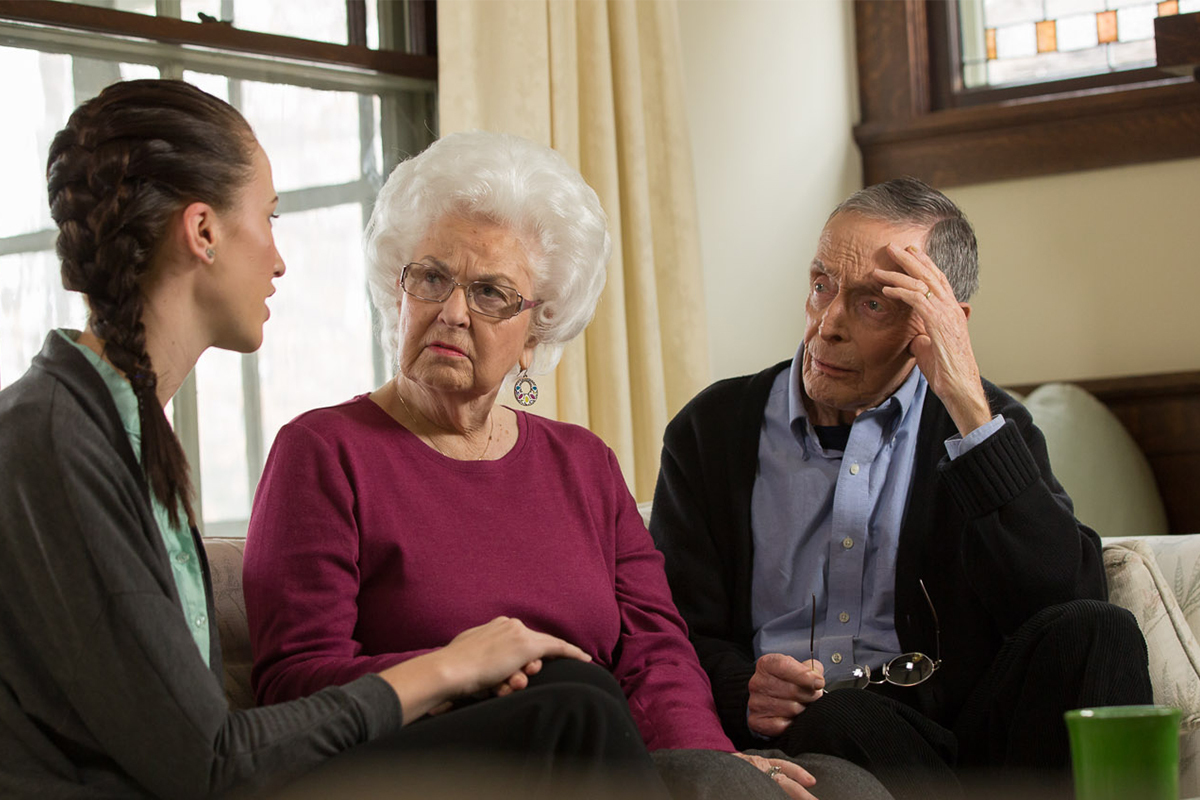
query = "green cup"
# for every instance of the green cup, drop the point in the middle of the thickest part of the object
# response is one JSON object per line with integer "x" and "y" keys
{"x": 1123, "y": 752}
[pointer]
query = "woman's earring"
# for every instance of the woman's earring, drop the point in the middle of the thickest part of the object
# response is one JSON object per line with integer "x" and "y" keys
{"x": 210, "y": 253}
{"x": 525, "y": 390}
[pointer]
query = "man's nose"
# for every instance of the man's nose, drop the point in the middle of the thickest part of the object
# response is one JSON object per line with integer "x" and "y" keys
{"x": 833, "y": 320}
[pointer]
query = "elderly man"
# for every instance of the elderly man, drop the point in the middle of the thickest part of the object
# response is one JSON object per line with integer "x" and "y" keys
{"x": 871, "y": 514}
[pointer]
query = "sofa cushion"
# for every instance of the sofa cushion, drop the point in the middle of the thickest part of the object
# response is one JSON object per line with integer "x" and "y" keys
{"x": 1098, "y": 462}
{"x": 225, "y": 562}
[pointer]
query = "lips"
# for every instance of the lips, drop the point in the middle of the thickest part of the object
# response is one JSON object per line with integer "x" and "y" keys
{"x": 445, "y": 348}
{"x": 828, "y": 367}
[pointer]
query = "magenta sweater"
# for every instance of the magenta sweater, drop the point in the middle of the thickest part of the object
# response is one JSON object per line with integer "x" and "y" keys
{"x": 366, "y": 547}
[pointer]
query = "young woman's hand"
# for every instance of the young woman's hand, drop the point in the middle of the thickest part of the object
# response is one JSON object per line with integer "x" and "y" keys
{"x": 497, "y": 656}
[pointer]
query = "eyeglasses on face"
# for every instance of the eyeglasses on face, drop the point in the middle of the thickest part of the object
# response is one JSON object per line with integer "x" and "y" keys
{"x": 907, "y": 669}
{"x": 435, "y": 285}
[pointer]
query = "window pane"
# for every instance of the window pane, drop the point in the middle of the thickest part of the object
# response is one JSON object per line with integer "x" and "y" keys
{"x": 322, "y": 20}
{"x": 222, "y": 420}
{"x": 1006, "y": 42}
{"x": 317, "y": 348}
{"x": 32, "y": 302}
{"x": 42, "y": 99}
{"x": 327, "y": 152}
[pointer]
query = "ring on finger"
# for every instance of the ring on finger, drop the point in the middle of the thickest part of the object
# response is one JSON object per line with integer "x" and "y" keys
{"x": 773, "y": 770}
{"x": 928, "y": 293}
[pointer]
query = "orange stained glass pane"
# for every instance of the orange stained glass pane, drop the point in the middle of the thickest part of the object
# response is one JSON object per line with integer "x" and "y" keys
{"x": 1106, "y": 26}
{"x": 990, "y": 35}
{"x": 1047, "y": 39}
{"x": 1168, "y": 8}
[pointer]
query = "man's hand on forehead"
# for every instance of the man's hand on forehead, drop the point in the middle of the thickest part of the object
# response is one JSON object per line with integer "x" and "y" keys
{"x": 943, "y": 347}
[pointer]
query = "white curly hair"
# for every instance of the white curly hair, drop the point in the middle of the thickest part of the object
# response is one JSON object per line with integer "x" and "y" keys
{"x": 510, "y": 181}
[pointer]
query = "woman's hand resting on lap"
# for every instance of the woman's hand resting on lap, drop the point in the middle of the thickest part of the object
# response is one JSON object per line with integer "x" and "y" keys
{"x": 793, "y": 779}
{"x": 497, "y": 656}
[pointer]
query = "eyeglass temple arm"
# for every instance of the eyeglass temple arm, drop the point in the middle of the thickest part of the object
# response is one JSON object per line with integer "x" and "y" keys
{"x": 812, "y": 631}
{"x": 937, "y": 628}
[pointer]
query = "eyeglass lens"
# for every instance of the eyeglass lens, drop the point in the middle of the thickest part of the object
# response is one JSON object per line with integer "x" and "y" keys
{"x": 435, "y": 285}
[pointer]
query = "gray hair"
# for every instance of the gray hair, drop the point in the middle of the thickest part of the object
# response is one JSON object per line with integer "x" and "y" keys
{"x": 512, "y": 182}
{"x": 951, "y": 239}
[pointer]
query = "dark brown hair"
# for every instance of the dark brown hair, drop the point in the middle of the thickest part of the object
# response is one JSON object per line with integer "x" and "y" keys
{"x": 126, "y": 163}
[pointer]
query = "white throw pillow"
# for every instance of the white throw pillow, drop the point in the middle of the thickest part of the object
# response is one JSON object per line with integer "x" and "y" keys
{"x": 1098, "y": 463}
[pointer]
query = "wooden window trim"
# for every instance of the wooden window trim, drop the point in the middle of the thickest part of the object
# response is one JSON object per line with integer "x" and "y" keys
{"x": 910, "y": 128}
{"x": 223, "y": 36}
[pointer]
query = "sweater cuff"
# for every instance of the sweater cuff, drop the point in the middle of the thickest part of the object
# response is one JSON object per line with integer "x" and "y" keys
{"x": 991, "y": 474}
{"x": 378, "y": 703}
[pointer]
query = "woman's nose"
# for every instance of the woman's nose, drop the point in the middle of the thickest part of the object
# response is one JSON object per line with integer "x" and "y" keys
{"x": 454, "y": 307}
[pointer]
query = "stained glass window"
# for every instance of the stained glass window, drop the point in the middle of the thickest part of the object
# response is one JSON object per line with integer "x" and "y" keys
{"x": 1006, "y": 42}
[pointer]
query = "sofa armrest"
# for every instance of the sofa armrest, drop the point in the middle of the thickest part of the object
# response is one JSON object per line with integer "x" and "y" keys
{"x": 1157, "y": 578}
{"x": 225, "y": 563}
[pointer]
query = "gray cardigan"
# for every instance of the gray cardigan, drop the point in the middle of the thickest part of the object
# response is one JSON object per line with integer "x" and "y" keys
{"x": 102, "y": 692}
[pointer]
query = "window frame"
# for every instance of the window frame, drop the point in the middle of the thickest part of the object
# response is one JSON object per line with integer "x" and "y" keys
{"x": 917, "y": 121}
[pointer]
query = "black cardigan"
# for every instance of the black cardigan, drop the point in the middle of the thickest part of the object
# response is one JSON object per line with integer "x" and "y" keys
{"x": 992, "y": 534}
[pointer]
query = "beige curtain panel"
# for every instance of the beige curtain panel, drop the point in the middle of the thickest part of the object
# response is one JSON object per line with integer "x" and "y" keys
{"x": 601, "y": 82}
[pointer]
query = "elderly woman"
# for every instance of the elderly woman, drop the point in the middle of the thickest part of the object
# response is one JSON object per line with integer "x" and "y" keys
{"x": 387, "y": 524}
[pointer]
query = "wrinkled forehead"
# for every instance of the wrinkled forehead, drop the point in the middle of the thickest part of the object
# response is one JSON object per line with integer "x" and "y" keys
{"x": 852, "y": 245}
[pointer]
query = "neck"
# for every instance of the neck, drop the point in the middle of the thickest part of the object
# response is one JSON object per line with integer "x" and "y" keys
{"x": 445, "y": 413}
{"x": 171, "y": 344}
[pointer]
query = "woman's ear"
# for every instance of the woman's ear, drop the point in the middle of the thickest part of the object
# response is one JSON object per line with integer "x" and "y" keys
{"x": 200, "y": 231}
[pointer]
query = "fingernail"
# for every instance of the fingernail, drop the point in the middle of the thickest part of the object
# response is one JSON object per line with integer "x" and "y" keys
{"x": 912, "y": 249}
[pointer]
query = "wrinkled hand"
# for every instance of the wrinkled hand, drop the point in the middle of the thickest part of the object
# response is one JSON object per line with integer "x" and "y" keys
{"x": 942, "y": 347}
{"x": 780, "y": 689}
{"x": 500, "y": 655}
{"x": 791, "y": 777}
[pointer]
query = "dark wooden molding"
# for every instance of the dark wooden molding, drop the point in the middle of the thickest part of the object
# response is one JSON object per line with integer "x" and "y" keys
{"x": 1177, "y": 43}
{"x": 912, "y": 123}
{"x": 217, "y": 35}
{"x": 1162, "y": 414}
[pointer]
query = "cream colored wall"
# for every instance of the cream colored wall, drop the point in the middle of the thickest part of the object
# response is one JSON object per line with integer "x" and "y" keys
{"x": 770, "y": 100}
{"x": 1091, "y": 274}
{"x": 1088, "y": 275}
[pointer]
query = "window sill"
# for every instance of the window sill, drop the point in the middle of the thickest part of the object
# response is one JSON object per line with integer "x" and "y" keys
{"x": 1039, "y": 136}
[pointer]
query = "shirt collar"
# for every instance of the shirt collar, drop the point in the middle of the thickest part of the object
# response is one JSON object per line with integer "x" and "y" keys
{"x": 122, "y": 393}
{"x": 895, "y": 407}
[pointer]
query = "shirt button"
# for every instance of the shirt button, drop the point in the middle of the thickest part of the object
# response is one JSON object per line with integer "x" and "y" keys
{"x": 844, "y": 617}
{"x": 201, "y": 621}
{"x": 836, "y": 658}
{"x": 181, "y": 558}
{"x": 847, "y": 543}
{"x": 854, "y": 469}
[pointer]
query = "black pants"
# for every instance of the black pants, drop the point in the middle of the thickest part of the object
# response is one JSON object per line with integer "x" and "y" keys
{"x": 569, "y": 734}
{"x": 1079, "y": 654}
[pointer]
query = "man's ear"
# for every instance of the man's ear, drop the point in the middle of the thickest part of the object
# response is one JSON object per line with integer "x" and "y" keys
{"x": 199, "y": 231}
{"x": 966, "y": 307}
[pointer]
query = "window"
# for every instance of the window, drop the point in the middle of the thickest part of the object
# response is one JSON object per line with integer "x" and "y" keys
{"x": 333, "y": 123}
{"x": 1007, "y": 42}
{"x": 919, "y": 116}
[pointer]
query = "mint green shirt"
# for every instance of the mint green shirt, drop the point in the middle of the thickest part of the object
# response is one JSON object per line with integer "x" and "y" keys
{"x": 181, "y": 547}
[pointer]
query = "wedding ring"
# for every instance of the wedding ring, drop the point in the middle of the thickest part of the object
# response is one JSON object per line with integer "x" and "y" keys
{"x": 773, "y": 770}
{"x": 929, "y": 294}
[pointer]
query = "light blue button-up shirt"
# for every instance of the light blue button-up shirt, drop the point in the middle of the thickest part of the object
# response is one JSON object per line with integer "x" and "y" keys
{"x": 827, "y": 523}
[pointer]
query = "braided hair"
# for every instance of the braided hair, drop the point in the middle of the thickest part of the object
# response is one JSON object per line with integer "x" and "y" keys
{"x": 125, "y": 164}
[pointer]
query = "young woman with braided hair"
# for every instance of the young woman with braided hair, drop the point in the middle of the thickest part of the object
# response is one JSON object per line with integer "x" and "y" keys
{"x": 110, "y": 667}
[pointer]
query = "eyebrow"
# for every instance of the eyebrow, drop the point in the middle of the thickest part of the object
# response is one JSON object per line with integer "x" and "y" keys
{"x": 490, "y": 277}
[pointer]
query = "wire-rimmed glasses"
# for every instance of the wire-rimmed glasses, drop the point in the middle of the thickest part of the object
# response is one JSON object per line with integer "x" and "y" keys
{"x": 907, "y": 669}
{"x": 435, "y": 285}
